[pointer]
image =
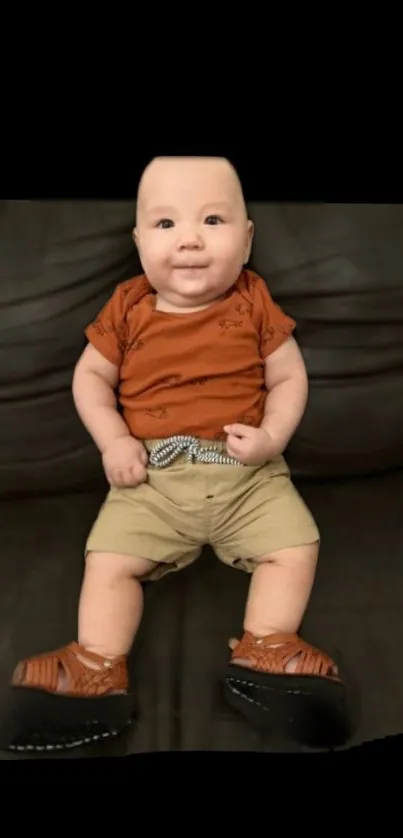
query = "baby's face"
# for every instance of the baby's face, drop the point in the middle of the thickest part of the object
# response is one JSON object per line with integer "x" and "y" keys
{"x": 192, "y": 231}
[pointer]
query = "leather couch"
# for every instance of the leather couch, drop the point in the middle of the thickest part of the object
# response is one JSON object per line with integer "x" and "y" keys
{"x": 336, "y": 268}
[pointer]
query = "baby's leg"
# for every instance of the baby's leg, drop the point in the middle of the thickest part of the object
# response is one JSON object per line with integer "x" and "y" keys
{"x": 279, "y": 593}
{"x": 111, "y": 602}
{"x": 81, "y": 692}
{"x": 78, "y": 694}
{"x": 274, "y": 676}
{"x": 287, "y": 685}
{"x": 110, "y": 610}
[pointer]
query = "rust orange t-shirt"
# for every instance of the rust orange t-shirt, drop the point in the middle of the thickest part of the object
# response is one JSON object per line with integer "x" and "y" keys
{"x": 190, "y": 373}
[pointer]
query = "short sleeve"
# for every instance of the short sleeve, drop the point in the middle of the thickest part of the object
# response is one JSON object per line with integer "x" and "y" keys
{"x": 274, "y": 326}
{"x": 107, "y": 333}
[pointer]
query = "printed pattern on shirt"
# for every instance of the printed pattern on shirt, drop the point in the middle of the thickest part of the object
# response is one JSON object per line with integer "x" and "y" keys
{"x": 195, "y": 374}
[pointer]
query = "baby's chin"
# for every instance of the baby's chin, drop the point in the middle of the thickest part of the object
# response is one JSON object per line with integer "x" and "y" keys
{"x": 198, "y": 296}
{"x": 191, "y": 288}
{"x": 195, "y": 285}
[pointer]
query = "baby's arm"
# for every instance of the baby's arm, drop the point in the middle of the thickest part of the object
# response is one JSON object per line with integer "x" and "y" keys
{"x": 287, "y": 384}
{"x": 95, "y": 379}
{"x": 94, "y": 383}
{"x": 286, "y": 381}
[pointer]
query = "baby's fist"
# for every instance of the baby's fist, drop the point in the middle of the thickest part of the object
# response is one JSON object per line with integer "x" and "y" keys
{"x": 125, "y": 462}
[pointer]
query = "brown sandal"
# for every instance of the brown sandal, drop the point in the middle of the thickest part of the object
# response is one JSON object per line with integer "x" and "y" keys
{"x": 59, "y": 702}
{"x": 289, "y": 687}
{"x": 274, "y": 653}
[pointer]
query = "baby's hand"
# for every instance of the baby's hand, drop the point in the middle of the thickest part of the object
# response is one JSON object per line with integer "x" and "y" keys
{"x": 125, "y": 462}
{"x": 251, "y": 446}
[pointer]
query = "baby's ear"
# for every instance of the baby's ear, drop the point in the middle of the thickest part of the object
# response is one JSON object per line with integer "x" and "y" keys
{"x": 134, "y": 236}
{"x": 249, "y": 239}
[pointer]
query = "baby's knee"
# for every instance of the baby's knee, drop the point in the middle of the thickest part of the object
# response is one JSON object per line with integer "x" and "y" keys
{"x": 115, "y": 566}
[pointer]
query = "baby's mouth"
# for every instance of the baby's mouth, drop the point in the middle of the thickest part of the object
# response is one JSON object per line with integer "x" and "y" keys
{"x": 191, "y": 267}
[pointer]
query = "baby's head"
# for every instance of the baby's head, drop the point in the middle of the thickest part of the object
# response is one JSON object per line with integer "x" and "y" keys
{"x": 192, "y": 230}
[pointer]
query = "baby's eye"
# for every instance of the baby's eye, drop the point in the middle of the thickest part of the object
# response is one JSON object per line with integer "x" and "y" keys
{"x": 165, "y": 223}
{"x": 213, "y": 219}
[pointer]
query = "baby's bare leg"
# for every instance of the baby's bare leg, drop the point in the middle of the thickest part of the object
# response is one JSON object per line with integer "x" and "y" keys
{"x": 111, "y": 602}
{"x": 110, "y": 609}
{"x": 279, "y": 593}
{"x": 312, "y": 711}
{"x": 280, "y": 589}
{"x": 91, "y": 673}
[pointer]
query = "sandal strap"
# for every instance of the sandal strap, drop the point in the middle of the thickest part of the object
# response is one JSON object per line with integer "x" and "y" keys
{"x": 271, "y": 654}
{"x": 43, "y": 672}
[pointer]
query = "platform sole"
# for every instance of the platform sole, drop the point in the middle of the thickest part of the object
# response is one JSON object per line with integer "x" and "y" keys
{"x": 308, "y": 710}
{"x": 41, "y": 721}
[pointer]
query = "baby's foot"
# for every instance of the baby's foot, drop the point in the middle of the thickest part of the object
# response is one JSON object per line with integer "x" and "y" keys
{"x": 297, "y": 655}
{"x": 73, "y": 670}
{"x": 233, "y": 643}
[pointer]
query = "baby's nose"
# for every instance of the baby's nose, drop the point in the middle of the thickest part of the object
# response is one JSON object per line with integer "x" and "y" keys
{"x": 191, "y": 238}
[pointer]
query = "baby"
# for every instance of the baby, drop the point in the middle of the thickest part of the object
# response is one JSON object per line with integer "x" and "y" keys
{"x": 191, "y": 386}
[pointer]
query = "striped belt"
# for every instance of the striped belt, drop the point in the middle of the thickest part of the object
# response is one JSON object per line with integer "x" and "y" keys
{"x": 167, "y": 450}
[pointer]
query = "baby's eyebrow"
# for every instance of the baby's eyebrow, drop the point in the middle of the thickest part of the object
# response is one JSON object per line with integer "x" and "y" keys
{"x": 216, "y": 205}
{"x": 170, "y": 210}
{"x": 160, "y": 210}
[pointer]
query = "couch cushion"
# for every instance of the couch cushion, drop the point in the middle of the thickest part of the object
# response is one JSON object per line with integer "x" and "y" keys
{"x": 338, "y": 269}
{"x": 59, "y": 262}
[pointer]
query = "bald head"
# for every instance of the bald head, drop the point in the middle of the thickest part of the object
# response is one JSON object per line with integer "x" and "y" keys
{"x": 213, "y": 178}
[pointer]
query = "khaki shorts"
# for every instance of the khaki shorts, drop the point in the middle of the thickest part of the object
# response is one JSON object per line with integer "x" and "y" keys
{"x": 243, "y": 512}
